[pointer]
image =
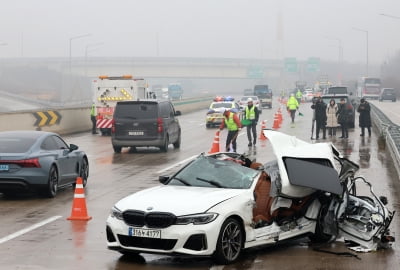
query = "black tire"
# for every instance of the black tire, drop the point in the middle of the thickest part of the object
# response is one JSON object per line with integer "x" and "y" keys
{"x": 164, "y": 148}
{"x": 117, "y": 149}
{"x": 177, "y": 144}
{"x": 208, "y": 125}
{"x": 51, "y": 188}
{"x": 84, "y": 172}
{"x": 230, "y": 242}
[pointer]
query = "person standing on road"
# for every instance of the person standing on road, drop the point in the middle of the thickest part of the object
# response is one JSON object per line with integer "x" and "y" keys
{"x": 331, "y": 119}
{"x": 299, "y": 96}
{"x": 292, "y": 105}
{"x": 93, "y": 118}
{"x": 251, "y": 114}
{"x": 364, "y": 120}
{"x": 320, "y": 117}
{"x": 343, "y": 118}
{"x": 232, "y": 123}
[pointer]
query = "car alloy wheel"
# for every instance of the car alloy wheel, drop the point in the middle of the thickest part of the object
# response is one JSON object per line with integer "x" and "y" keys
{"x": 230, "y": 241}
{"x": 52, "y": 184}
{"x": 84, "y": 174}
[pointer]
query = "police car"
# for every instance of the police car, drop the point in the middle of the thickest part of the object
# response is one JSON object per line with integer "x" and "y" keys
{"x": 215, "y": 112}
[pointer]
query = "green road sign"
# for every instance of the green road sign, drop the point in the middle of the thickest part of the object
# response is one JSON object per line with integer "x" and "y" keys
{"x": 291, "y": 64}
{"x": 255, "y": 72}
{"x": 313, "y": 64}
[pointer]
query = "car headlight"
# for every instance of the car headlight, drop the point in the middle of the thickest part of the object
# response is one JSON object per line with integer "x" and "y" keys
{"x": 116, "y": 213}
{"x": 196, "y": 219}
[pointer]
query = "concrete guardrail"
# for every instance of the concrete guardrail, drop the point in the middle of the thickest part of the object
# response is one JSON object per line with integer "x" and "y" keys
{"x": 73, "y": 120}
{"x": 391, "y": 133}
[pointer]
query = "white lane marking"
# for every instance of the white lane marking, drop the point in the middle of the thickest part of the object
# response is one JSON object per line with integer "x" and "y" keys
{"x": 30, "y": 228}
{"x": 177, "y": 164}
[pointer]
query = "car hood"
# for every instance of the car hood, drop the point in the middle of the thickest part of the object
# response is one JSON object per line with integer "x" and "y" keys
{"x": 297, "y": 166}
{"x": 179, "y": 200}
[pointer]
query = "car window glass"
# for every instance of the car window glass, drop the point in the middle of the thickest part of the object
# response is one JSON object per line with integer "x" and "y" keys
{"x": 60, "y": 144}
{"x": 222, "y": 105}
{"x": 137, "y": 110}
{"x": 225, "y": 173}
{"x": 15, "y": 145}
{"x": 164, "y": 110}
{"x": 49, "y": 144}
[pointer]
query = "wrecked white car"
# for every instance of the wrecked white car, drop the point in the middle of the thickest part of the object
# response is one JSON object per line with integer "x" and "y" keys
{"x": 219, "y": 204}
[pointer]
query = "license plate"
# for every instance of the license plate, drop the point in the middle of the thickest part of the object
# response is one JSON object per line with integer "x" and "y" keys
{"x": 136, "y": 133}
{"x": 3, "y": 168}
{"x": 144, "y": 233}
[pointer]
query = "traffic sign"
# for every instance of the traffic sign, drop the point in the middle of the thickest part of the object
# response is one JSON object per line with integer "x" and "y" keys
{"x": 291, "y": 64}
{"x": 255, "y": 72}
{"x": 313, "y": 64}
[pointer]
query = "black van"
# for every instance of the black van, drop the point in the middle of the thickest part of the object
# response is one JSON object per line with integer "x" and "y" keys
{"x": 145, "y": 123}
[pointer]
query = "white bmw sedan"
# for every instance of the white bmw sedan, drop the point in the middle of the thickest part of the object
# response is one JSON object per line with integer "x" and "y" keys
{"x": 198, "y": 211}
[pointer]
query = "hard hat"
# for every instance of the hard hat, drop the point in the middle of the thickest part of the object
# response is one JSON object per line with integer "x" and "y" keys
{"x": 292, "y": 95}
{"x": 249, "y": 99}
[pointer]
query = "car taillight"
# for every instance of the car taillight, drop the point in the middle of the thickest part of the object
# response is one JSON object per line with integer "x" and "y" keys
{"x": 160, "y": 125}
{"x": 349, "y": 107}
{"x": 25, "y": 163}
{"x": 113, "y": 125}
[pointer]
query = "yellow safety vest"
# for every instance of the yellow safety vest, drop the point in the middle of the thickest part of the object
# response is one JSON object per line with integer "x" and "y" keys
{"x": 250, "y": 113}
{"x": 93, "y": 110}
{"x": 230, "y": 123}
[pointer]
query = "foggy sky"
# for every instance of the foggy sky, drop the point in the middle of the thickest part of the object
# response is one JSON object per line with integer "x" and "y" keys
{"x": 268, "y": 29}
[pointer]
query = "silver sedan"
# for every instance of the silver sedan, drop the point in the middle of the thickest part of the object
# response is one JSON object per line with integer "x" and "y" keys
{"x": 39, "y": 161}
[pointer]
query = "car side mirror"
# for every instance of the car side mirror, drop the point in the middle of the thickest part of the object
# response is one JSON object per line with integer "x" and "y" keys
{"x": 163, "y": 179}
{"x": 177, "y": 113}
{"x": 73, "y": 147}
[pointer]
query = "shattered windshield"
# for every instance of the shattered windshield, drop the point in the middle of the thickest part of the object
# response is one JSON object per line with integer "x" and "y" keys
{"x": 210, "y": 172}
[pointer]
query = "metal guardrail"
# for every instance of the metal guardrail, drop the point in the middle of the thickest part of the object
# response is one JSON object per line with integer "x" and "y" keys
{"x": 390, "y": 131}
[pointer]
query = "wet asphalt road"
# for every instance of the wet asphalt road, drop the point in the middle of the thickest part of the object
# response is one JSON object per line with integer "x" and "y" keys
{"x": 61, "y": 244}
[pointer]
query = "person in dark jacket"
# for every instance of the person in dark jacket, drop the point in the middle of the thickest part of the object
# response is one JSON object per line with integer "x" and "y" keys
{"x": 320, "y": 117}
{"x": 343, "y": 117}
{"x": 252, "y": 114}
{"x": 364, "y": 120}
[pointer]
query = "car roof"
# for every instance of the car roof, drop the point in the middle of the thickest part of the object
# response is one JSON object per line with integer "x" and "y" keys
{"x": 25, "y": 134}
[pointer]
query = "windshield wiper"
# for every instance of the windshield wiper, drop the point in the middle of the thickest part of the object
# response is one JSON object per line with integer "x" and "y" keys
{"x": 212, "y": 182}
{"x": 182, "y": 181}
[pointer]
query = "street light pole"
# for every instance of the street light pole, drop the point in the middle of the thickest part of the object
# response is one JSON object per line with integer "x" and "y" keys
{"x": 70, "y": 47}
{"x": 86, "y": 53}
{"x": 366, "y": 32}
{"x": 340, "y": 56}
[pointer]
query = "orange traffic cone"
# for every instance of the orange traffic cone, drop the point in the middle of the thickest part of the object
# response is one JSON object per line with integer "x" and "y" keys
{"x": 215, "y": 145}
{"x": 279, "y": 115}
{"x": 263, "y": 126}
{"x": 276, "y": 122}
{"x": 79, "y": 211}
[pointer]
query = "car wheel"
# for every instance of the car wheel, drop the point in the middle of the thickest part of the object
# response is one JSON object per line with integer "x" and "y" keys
{"x": 230, "y": 242}
{"x": 177, "y": 144}
{"x": 208, "y": 125}
{"x": 117, "y": 149}
{"x": 84, "y": 173}
{"x": 51, "y": 188}
{"x": 164, "y": 148}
